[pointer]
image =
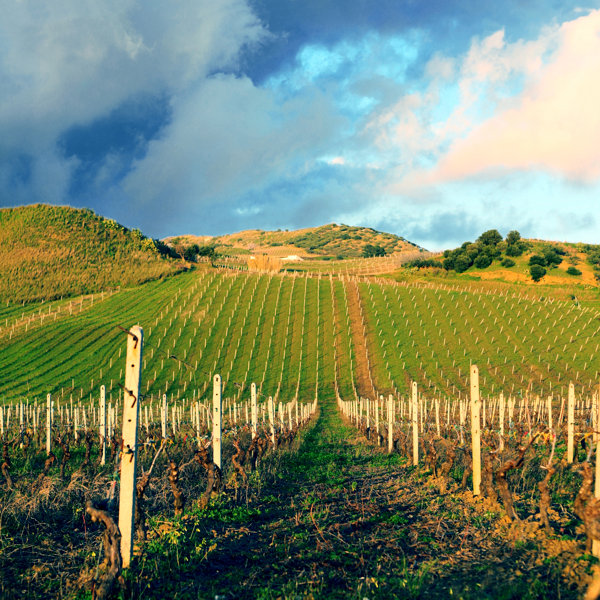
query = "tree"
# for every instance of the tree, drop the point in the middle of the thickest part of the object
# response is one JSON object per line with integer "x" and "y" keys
{"x": 513, "y": 237}
{"x": 191, "y": 252}
{"x": 490, "y": 238}
{"x": 483, "y": 261}
{"x": 370, "y": 250}
{"x": 537, "y": 272}
{"x": 537, "y": 259}
{"x": 461, "y": 263}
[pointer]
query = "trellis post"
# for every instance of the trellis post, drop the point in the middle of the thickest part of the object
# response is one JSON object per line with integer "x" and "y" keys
{"x": 272, "y": 419}
{"x": 415, "y": 422}
{"x": 254, "y": 410}
{"x": 390, "y": 415}
{"x": 570, "y": 422}
{"x": 131, "y": 411}
{"x": 217, "y": 415}
{"x": 475, "y": 429}
{"x": 103, "y": 424}
{"x": 48, "y": 424}
{"x": 595, "y": 542}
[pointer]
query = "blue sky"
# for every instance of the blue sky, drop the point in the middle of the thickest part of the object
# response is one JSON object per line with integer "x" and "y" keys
{"x": 433, "y": 120}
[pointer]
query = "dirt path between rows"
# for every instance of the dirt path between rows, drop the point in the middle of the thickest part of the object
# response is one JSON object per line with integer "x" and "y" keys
{"x": 361, "y": 361}
{"x": 342, "y": 519}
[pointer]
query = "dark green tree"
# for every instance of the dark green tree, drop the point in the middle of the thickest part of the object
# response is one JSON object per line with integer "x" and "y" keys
{"x": 537, "y": 272}
{"x": 370, "y": 250}
{"x": 490, "y": 238}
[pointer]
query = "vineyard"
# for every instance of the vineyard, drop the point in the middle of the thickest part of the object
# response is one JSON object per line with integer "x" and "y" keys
{"x": 346, "y": 424}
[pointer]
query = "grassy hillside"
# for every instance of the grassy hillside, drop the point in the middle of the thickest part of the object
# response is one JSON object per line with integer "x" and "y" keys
{"x": 567, "y": 265}
{"x": 332, "y": 241}
{"x": 48, "y": 252}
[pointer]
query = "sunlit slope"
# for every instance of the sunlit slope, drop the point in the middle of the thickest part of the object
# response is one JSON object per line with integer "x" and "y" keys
{"x": 431, "y": 334}
{"x": 51, "y": 251}
{"x": 297, "y": 336}
{"x": 275, "y": 331}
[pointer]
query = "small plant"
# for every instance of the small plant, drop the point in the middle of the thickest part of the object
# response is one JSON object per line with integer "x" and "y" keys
{"x": 573, "y": 271}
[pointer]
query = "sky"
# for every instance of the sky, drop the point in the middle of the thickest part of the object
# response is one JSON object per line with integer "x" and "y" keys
{"x": 435, "y": 120}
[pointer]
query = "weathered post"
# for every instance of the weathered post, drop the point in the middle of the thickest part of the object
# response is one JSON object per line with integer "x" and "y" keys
{"x": 596, "y": 543}
{"x": 102, "y": 425}
{"x": 475, "y": 429}
{"x": 390, "y": 415}
{"x": 501, "y": 413}
{"x": 415, "y": 422}
{"x": 377, "y": 402}
{"x": 131, "y": 411}
{"x": 255, "y": 410}
{"x": 48, "y": 424}
{"x": 217, "y": 415}
{"x": 570, "y": 422}
{"x": 272, "y": 419}
{"x": 163, "y": 416}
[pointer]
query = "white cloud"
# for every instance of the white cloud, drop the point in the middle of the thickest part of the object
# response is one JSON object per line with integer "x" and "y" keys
{"x": 552, "y": 123}
{"x": 69, "y": 62}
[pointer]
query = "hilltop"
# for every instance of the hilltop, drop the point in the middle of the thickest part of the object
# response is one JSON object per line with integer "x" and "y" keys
{"x": 51, "y": 251}
{"x": 327, "y": 241}
{"x": 517, "y": 261}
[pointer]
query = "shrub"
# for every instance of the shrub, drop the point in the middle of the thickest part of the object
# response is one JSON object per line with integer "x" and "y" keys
{"x": 538, "y": 259}
{"x": 483, "y": 261}
{"x": 508, "y": 262}
{"x": 573, "y": 271}
{"x": 370, "y": 250}
{"x": 537, "y": 271}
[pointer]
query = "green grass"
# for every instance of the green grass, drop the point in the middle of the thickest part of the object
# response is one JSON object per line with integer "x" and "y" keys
{"x": 50, "y": 252}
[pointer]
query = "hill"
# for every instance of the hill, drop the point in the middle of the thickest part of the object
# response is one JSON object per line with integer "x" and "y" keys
{"x": 327, "y": 241}
{"x": 520, "y": 261}
{"x": 47, "y": 252}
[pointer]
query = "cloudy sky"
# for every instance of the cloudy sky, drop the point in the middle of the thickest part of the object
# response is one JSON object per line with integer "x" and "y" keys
{"x": 432, "y": 119}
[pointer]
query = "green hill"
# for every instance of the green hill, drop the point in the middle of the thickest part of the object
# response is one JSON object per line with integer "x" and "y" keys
{"x": 327, "y": 241}
{"x": 48, "y": 252}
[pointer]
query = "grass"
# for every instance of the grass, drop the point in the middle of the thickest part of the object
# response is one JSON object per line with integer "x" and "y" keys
{"x": 51, "y": 252}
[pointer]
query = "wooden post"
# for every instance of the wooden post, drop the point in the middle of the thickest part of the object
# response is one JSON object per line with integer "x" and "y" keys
{"x": 254, "y": 410}
{"x": 501, "y": 414}
{"x": 549, "y": 413}
{"x": 103, "y": 425}
{"x": 217, "y": 415}
{"x": 596, "y": 543}
{"x": 475, "y": 429}
{"x": 377, "y": 418}
{"x": 272, "y": 419}
{"x": 131, "y": 411}
{"x": 48, "y": 424}
{"x": 415, "y": 423}
{"x": 390, "y": 416}
{"x": 570, "y": 422}
{"x": 163, "y": 416}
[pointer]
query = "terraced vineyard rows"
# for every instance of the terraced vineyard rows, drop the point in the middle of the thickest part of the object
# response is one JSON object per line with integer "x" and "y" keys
{"x": 278, "y": 331}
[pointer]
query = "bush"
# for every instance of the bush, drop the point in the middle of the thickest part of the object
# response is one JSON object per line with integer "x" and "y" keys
{"x": 490, "y": 238}
{"x": 573, "y": 271}
{"x": 538, "y": 259}
{"x": 514, "y": 250}
{"x": 370, "y": 250}
{"x": 537, "y": 271}
{"x": 483, "y": 261}
{"x": 508, "y": 262}
{"x": 423, "y": 263}
{"x": 461, "y": 263}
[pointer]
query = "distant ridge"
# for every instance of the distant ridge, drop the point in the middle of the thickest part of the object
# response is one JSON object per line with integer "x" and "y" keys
{"x": 51, "y": 251}
{"x": 332, "y": 240}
